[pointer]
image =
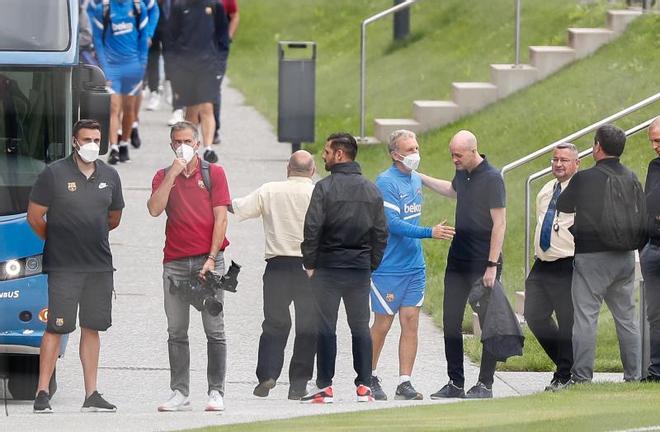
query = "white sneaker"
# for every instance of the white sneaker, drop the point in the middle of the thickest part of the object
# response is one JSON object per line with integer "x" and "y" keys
{"x": 154, "y": 101}
{"x": 176, "y": 402}
{"x": 177, "y": 116}
{"x": 215, "y": 402}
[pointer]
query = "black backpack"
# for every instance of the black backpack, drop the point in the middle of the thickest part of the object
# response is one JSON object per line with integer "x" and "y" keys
{"x": 623, "y": 221}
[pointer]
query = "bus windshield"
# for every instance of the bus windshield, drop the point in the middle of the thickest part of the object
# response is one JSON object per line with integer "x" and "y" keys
{"x": 32, "y": 131}
{"x": 34, "y": 25}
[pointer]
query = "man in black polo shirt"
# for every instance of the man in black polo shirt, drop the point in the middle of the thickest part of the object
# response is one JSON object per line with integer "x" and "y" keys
{"x": 82, "y": 200}
{"x": 599, "y": 271}
{"x": 475, "y": 253}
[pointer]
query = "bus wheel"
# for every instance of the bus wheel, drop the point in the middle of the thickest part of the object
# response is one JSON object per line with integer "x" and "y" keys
{"x": 24, "y": 377}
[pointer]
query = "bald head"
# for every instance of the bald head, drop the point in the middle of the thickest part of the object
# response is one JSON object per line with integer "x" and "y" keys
{"x": 654, "y": 135}
{"x": 463, "y": 149}
{"x": 301, "y": 164}
{"x": 655, "y": 124}
{"x": 464, "y": 140}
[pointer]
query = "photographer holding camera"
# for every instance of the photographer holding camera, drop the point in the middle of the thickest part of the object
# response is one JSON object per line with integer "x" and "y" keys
{"x": 195, "y": 196}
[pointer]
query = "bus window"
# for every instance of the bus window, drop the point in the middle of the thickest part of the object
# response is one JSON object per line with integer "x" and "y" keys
{"x": 34, "y": 25}
{"x": 32, "y": 131}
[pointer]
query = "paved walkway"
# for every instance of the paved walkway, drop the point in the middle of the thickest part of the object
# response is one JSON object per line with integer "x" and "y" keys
{"x": 134, "y": 364}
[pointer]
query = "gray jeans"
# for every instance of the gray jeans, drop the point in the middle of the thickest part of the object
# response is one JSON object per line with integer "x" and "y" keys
{"x": 605, "y": 276}
{"x": 178, "y": 319}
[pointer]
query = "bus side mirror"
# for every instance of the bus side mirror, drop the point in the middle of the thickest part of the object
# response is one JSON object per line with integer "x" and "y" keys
{"x": 95, "y": 100}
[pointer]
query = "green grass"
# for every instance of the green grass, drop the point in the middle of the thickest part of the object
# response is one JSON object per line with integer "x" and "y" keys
{"x": 455, "y": 40}
{"x": 596, "y": 407}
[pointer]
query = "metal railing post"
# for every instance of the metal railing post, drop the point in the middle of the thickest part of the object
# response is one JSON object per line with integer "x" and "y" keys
{"x": 517, "y": 32}
{"x": 363, "y": 57}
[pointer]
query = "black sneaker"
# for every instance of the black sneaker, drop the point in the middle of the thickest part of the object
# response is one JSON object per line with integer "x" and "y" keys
{"x": 95, "y": 403}
{"x": 210, "y": 156}
{"x": 406, "y": 391}
{"x": 113, "y": 158}
{"x": 123, "y": 154}
{"x": 296, "y": 392}
{"x": 377, "y": 390}
{"x": 136, "y": 142}
{"x": 651, "y": 379}
{"x": 450, "y": 390}
{"x": 479, "y": 391}
{"x": 216, "y": 138}
{"x": 557, "y": 384}
{"x": 264, "y": 387}
{"x": 42, "y": 403}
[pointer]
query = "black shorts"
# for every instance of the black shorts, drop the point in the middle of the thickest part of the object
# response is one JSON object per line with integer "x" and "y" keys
{"x": 198, "y": 86}
{"x": 93, "y": 291}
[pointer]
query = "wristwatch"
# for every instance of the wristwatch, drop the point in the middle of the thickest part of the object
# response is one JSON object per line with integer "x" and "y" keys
{"x": 491, "y": 264}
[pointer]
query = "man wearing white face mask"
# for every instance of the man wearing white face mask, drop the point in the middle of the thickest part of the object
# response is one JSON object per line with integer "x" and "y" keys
{"x": 82, "y": 199}
{"x": 398, "y": 283}
{"x": 195, "y": 196}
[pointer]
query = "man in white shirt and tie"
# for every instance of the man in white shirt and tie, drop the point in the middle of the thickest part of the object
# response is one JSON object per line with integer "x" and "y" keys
{"x": 548, "y": 285}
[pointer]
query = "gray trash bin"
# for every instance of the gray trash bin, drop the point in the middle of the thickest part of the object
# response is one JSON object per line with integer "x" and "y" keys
{"x": 296, "y": 95}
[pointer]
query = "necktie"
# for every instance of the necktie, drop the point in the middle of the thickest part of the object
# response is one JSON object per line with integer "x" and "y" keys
{"x": 546, "y": 227}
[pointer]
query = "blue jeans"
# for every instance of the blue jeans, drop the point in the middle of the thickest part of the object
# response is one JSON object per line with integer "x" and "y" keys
{"x": 178, "y": 319}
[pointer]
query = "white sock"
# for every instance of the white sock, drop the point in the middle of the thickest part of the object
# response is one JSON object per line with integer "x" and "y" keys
{"x": 119, "y": 132}
{"x": 135, "y": 125}
{"x": 404, "y": 378}
{"x": 123, "y": 143}
{"x": 374, "y": 372}
{"x": 114, "y": 147}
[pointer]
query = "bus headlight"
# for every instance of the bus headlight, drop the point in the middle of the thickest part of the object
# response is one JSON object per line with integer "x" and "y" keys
{"x": 12, "y": 269}
{"x": 19, "y": 268}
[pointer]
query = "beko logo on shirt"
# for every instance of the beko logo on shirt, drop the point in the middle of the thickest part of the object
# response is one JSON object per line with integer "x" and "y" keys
{"x": 124, "y": 27}
{"x": 10, "y": 294}
{"x": 412, "y": 208}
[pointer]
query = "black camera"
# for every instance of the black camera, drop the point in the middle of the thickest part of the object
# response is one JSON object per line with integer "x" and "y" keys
{"x": 200, "y": 293}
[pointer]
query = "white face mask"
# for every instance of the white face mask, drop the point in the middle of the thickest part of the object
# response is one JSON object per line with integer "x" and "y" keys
{"x": 411, "y": 161}
{"x": 186, "y": 152}
{"x": 88, "y": 152}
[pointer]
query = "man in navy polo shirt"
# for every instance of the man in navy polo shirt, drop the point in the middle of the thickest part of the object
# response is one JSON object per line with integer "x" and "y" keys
{"x": 194, "y": 242}
{"x": 81, "y": 198}
{"x": 475, "y": 253}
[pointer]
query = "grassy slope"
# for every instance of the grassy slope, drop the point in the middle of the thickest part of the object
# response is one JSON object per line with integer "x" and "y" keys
{"x": 589, "y": 408}
{"x": 617, "y": 76}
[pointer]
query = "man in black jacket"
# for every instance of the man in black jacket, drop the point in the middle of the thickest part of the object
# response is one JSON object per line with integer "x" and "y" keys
{"x": 344, "y": 240}
{"x": 650, "y": 257}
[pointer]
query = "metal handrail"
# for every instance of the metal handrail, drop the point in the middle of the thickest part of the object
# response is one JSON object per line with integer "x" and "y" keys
{"x": 582, "y": 132}
{"x": 547, "y": 170}
{"x": 363, "y": 55}
{"x": 517, "y": 32}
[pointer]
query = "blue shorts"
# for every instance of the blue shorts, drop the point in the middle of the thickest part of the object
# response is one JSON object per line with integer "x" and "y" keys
{"x": 125, "y": 79}
{"x": 391, "y": 292}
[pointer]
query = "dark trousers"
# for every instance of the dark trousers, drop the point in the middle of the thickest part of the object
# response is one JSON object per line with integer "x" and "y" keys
{"x": 650, "y": 263}
{"x": 330, "y": 287}
{"x": 285, "y": 281}
{"x": 153, "y": 58}
{"x": 457, "y": 288}
{"x": 217, "y": 103}
{"x": 548, "y": 290}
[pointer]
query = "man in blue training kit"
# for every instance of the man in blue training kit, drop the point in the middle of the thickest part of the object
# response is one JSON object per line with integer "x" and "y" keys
{"x": 121, "y": 30}
{"x": 398, "y": 283}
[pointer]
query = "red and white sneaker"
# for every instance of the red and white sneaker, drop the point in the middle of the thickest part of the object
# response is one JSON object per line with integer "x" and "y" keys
{"x": 364, "y": 394}
{"x": 318, "y": 396}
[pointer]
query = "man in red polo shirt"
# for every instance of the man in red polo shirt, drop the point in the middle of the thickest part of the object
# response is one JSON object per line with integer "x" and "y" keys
{"x": 196, "y": 211}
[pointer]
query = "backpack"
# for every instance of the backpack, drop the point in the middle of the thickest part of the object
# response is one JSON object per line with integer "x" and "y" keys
{"x": 624, "y": 219}
{"x": 206, "y": 174}
{"x": 137, "y": 12}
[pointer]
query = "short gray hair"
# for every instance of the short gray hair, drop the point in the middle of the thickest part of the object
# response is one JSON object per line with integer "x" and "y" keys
{"x": 568, "y": 146}
{"x": 395, "y": 136}
{"x": 183, "y": 125}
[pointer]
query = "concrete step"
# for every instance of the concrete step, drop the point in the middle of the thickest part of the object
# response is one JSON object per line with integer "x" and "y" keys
{"x": 618, "y": 20}
{"x": 473, "y": 96}
{"x": 509, "y": 78}
{"x": 519, "y": 306}
{"x": 384, "y": 127}
{"x": 585, "y": 41}
{"x": 549, "y": 59}
{"x": 433, "y": 114}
